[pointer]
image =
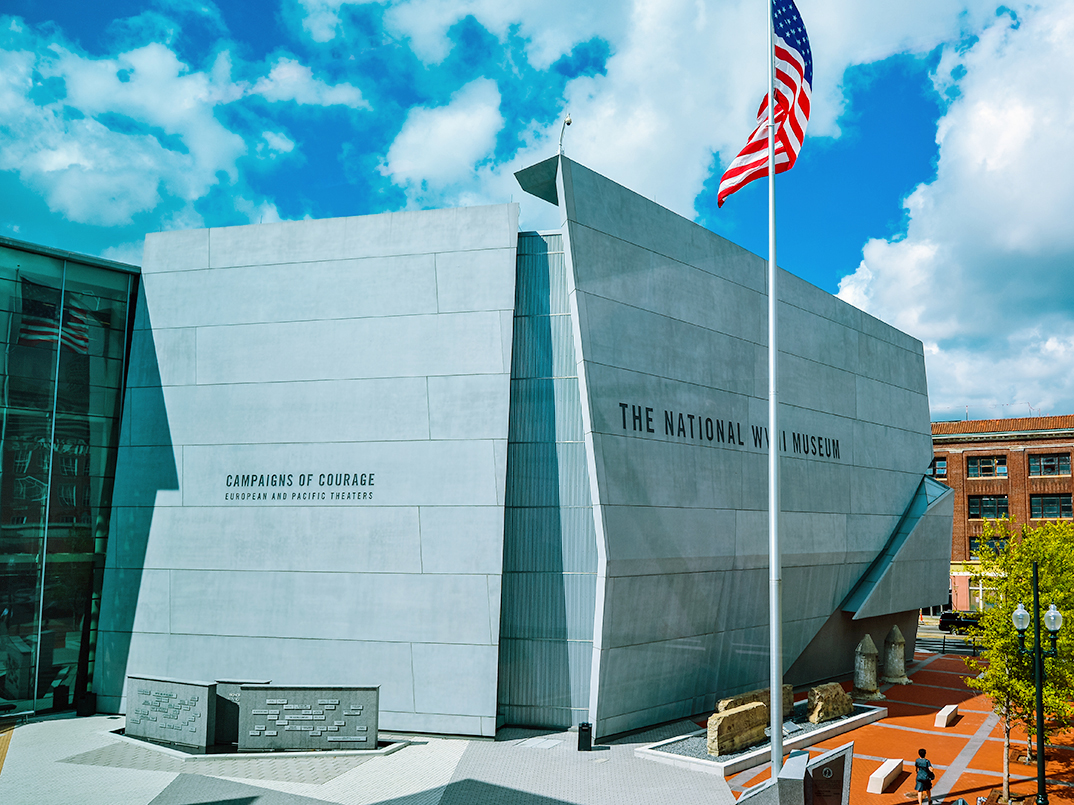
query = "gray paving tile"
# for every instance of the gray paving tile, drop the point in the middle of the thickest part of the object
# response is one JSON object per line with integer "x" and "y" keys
{"x": 127, "y": 756}
{"x": 194, "y": 789}
{"x": 34, "y": 772}
{"x": 515, "y": 772}
{"x": 310, "y": 771}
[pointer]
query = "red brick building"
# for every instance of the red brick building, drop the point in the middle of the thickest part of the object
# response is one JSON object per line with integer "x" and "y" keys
{"x": 1018, "y": 468}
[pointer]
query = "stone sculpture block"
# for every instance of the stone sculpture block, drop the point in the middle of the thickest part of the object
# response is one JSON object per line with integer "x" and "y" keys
{"x": 761, "y": 695}
{"x": 828, "y": 701}
{"x": 895, "y": 658}
{"x": 946, "y": 716}
{"x": 272, "y": 717}
{"x": 884, "y": 775}
{"x": 737, "y": 728}
{"x": 174, "y": 711}
{"x": 865, "y": 671}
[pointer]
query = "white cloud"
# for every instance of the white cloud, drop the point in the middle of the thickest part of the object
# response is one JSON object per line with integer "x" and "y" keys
{"x": 438, "y": 150}
{"x": 321, "y": 19}
{"x": 258, "y": 212}
{"x": 553, "y": 27}
{"x": 104, "y": 139}
{"x": 982, "y": 273}
{"x": 277, "y": 142}
{"x": 91, "y": 172}
{"x": 130, "y": 252}
{"x": 289, "y": 80}
{"x": 979, "y": 273}
{"x": 684, "y": 79}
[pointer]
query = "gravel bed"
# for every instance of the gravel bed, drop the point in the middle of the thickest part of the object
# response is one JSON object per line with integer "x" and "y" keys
{"x": 696, "y": 746}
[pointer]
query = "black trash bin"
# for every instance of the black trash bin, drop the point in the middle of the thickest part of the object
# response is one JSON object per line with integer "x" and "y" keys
{"x": 585, "y": 737}
{"x": 86, "y": 704}
{"x": 60, "y": 697}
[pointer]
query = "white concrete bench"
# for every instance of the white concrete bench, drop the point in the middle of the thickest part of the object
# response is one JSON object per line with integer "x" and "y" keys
{"x": 946, "y": 716}
{"x": 882, "y": 777}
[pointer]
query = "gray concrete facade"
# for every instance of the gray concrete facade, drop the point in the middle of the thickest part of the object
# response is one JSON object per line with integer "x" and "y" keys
{"x": 311, "y": 477}
{"x": 669, "y": 324}
{"x": 343, "y": 438}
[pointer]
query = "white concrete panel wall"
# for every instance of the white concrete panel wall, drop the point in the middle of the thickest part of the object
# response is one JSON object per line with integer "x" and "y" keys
{"x": 375, "y": 350}
{"x": 671, "y": 322}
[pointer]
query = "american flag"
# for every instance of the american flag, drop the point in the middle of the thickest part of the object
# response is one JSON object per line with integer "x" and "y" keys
{"x": 794, "y": 82}
{"x": 40, "y": 319}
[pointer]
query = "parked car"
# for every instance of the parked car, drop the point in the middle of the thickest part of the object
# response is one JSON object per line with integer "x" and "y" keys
{"x": 959, "y": 622}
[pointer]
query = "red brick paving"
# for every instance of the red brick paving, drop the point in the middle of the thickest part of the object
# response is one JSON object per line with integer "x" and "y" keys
{"x": 942, "y": 679}
{"x": 909, "y": 726}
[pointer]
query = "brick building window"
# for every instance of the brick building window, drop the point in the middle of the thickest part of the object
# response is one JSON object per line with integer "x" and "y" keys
{"x": 989, "y": 507}
{"x": 986, "y": 467}
{"x": 938, "y": 467}
{"x": 1050, "y": 465}
{"x": 1050, "y": 507}
{"x": 975, "y": 553}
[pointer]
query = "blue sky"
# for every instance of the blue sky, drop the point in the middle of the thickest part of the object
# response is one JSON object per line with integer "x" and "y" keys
{"x": 932, "y": 189}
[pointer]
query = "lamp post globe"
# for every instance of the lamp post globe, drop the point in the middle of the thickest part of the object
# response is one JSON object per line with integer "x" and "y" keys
{"x": 1021, "y": 619}
{"x": 1053, "y": 619}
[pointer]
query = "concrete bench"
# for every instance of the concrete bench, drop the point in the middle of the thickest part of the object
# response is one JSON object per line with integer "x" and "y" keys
{"x": 946, "y": 716}
{"x": 882, "y": 777}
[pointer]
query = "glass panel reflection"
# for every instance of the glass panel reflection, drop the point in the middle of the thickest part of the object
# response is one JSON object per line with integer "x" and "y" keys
{"x": 63, "y": 335}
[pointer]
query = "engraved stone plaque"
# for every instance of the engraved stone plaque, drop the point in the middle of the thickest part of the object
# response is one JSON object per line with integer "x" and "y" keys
{"x": 308, "y": 717}
{"x": 173, "y": 711}
{"x": 828, "y": 777}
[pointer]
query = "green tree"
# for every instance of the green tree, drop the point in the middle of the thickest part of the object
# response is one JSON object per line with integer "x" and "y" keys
{"x": 1004, "y": 673}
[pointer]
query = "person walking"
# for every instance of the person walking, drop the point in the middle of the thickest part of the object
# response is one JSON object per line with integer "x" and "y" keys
{"x": 925, "y": 776}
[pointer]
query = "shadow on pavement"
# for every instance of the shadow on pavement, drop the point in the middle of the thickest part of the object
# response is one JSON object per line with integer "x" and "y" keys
{"x": 475, "y": 792}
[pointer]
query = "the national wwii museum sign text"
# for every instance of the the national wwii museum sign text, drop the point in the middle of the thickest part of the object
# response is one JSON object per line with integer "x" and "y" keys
{"x": 698, "y": 428}
{"x": 302, "y": 487}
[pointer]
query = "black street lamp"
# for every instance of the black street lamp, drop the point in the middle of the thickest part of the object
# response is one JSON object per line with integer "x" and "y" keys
{"x": 1053, "y": 622}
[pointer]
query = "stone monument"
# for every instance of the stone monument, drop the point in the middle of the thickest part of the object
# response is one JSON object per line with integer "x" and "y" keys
{"x": 827, "y": 702}
{"x": 302, "y": 717}
{"x": 865, "y": 656}
{"x": 828, "y": 777}
{"x": 736, "y": 728}
{"x": 761, "y": 695}
{"x": 824, "y": 780}
{"x": 172, "y": 711}
{"x": 895, "y": 658}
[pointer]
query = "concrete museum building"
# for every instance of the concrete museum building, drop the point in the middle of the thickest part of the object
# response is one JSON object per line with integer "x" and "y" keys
{"x": 510, "y": 477}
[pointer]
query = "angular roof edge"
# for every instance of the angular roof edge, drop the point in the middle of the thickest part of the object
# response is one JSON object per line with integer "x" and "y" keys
{"x": 74, "y": 257}
{"x": 929, "y": 493}
{"x": 997, "y": 427}
{"x": 540, "y": 180}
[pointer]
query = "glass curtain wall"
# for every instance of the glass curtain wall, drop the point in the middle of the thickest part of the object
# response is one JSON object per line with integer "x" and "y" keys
{"x": 63, "y": 342}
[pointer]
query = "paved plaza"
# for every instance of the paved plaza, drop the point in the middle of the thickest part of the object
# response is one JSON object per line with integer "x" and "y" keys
{"x": 81, "y": 760}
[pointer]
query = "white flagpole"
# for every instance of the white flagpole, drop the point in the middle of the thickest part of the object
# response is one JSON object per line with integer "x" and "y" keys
{"x": 775, "y": 601}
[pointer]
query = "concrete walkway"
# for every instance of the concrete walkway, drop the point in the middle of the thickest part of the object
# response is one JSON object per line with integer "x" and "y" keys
{"x": 81, "y": 760}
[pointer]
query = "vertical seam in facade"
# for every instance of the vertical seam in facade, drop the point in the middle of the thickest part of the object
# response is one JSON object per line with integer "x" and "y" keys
{"x": 421, "y": 544}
